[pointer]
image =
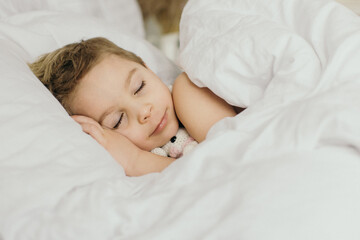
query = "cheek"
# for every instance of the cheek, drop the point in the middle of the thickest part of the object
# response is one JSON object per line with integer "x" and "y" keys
{"x": 165, "y": 97}
{"x": 136, "y": 136}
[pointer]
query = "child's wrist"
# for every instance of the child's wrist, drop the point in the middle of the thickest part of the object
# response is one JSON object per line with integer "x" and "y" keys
{"x": 133, "y": 163}
{"x": 146, "y": 162}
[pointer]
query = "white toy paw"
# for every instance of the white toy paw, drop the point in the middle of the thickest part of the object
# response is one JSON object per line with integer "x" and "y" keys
{"x": 159, "y": 151}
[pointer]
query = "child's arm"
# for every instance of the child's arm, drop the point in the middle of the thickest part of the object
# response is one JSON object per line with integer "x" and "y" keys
{"x": 135, "y": 161}
{"x": 198, "y": 109}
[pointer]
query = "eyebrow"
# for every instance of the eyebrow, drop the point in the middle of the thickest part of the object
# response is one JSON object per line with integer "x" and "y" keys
{"x": 129, "y": 77}
{"x": 127, "y": 84}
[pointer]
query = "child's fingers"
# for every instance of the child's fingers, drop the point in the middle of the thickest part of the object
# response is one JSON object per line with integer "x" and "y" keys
{"x": 91, "y": 127}
{"x": 83, "y": 119}
{"x": 94, "y": 131}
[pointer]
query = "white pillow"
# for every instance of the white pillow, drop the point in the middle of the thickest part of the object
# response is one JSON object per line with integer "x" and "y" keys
{"x": 124, "y": 14}
{"x": 43, "y": 31}
{"x": 44, "y": 154}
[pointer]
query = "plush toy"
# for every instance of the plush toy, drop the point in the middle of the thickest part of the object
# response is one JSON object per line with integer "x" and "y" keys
{"x": 178, "y": 145}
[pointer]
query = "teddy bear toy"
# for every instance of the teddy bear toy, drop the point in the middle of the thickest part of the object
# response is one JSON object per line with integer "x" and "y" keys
{"x": 178, "y": 145}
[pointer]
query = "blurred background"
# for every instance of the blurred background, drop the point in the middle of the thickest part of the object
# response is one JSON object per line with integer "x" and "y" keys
{"x": 161, "y": 22}
{"x": 352, "y": 4}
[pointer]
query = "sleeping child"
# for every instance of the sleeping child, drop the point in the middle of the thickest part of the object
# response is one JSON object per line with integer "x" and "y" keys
{"x": 123, "y": 105}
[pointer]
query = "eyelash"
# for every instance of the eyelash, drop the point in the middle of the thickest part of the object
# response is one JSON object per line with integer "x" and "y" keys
{"x": 119, "y": 122}
{"x": 140, "y": 88}
{"x": 122, "y": 114}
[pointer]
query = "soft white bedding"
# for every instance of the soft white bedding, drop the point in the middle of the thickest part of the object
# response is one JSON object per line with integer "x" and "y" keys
{"x": 124, "y": 14}
{"x": 288, "y": 167}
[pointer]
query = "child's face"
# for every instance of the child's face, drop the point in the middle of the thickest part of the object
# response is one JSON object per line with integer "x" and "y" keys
{"x": 129, "y": 98}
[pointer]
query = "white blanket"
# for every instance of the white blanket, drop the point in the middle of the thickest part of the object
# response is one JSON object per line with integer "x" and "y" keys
{"x": 288, "y": 167}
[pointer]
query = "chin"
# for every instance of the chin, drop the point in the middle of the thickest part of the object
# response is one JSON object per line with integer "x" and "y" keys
{"x": 174, "y": 128}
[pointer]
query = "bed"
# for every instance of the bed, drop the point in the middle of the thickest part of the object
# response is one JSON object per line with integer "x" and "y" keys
{"x": 288, "y": 167}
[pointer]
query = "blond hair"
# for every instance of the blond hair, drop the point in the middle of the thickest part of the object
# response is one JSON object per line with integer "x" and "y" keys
{"x": 61, "y": 70}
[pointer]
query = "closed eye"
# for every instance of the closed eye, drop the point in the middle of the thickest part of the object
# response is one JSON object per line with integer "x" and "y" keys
{"x": 119, "y": 122}
{"x": 140, "y": 88}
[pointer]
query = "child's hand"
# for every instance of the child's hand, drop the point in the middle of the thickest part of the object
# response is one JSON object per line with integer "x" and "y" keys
{"x": 135, "y": 161}
{"x": 122, "y": 149}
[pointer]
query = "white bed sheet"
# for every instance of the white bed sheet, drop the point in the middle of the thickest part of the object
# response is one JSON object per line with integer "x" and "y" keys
{"x": 288, "y": 167}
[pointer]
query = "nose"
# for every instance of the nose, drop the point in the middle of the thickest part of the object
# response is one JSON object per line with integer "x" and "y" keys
{"x": 144, "y": 113}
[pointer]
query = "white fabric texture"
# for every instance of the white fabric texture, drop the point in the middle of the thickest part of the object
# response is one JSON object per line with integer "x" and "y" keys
{"x": 288, "y": 167}
{"x": 125, "y": 15}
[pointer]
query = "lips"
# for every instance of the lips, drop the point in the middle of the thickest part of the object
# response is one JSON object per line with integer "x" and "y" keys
{"x": 161, "y": 125}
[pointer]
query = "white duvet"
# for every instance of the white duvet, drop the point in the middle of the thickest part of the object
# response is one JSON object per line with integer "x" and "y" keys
{"x": 288, "y": 167}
